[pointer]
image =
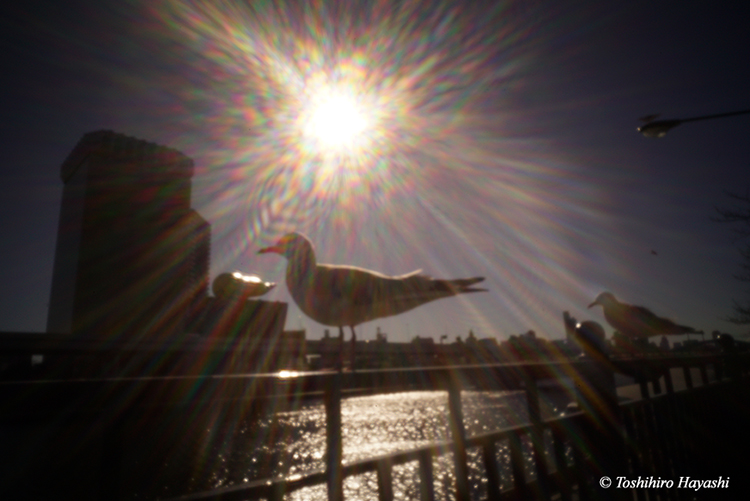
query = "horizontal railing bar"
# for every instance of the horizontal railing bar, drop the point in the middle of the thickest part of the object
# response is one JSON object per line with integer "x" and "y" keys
{"x": 28, "y": 342}
{"x": 388, "y": 380}
{"x": 39, "y": 397}
{"x": 258, "y": 488}
{"x": 549, "y": 369}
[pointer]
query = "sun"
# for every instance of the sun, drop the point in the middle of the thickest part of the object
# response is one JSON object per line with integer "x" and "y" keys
{"x": 336, "y": 121}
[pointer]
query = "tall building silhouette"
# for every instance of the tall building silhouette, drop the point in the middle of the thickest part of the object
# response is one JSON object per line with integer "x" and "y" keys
{"x": 132, "y": 257}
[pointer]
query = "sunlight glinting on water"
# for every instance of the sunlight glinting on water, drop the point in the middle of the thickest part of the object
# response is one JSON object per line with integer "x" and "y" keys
{"x": 378, "y": 425}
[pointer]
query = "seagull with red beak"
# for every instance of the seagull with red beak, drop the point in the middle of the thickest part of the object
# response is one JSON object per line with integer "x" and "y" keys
{"x": 341, "y": 295}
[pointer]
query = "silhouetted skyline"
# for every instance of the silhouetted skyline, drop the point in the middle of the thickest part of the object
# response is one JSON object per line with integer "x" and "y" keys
{"x": 515, "y": 154}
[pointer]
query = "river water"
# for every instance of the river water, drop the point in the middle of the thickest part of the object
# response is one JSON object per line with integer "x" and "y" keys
{"x": 293, "y": 442}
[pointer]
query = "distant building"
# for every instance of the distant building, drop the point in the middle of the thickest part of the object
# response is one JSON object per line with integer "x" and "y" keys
{"x": 132, "y": 257}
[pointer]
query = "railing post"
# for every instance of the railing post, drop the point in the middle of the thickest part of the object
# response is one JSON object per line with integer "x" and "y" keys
{"x": 490, "y": 466}
{"x": 688, "y": 376}
{"x": 520, "y": 486}
{"x": 110, "y": 474}
{"x": 704, "y": 374}
{"x": 385, "y": 481}
{"x": 334, "y": 446}
{"x": 671, "y": 428}
{"x": 643, "y": 385}
{"x": 458, "y": 433}
{"x": 731, "y": 357}
{"x": 657, "y": 384}
{"x": 602, "y": 426}
{"x": 426, "y": 484}
{"x": 537, "y": 435}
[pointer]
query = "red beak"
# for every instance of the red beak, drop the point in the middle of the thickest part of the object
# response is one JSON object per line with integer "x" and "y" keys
{"x": 273, "y": 248}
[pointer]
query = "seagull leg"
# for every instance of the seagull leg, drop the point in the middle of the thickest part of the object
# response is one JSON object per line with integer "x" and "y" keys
{"x": 340, "y": 362}
{"x": 354, "y": 346}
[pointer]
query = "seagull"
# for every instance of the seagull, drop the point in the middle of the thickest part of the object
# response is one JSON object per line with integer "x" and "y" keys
{"x": 239, "y": 285}
{"x": 636, "y": 322}
{"x": 341, "y": 295}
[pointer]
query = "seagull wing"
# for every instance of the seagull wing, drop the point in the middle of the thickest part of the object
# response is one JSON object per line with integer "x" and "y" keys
{"x": 646, "y": 322}
{"x": 666, "y": 326}
{"x": 398, "y": 294}
{"x": 360, "y": 287}
{"x": 362, "y": 294}
{"x": 350, "y": 283}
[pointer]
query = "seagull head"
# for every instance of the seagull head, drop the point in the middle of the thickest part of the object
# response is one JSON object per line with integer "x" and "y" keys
{"x": 604, "y": 299}
{"x": 290, "y": 245}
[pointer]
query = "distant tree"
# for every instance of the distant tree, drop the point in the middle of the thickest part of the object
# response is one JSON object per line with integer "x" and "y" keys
{"x": 739, "y": 214}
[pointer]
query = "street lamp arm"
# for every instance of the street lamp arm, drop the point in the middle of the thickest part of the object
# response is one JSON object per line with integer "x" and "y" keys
{"x": 659, "y": 128}
{"x": 719, "y": 115}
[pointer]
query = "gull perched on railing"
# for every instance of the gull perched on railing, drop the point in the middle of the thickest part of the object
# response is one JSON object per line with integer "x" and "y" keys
{"x": 340, "y": 295}
{"x": 636, "y": 322}
{"x": 239, "y": 285}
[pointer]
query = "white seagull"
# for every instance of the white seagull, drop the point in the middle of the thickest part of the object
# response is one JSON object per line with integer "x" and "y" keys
{"x": 341, "y": 295}
{"x": 636, "y": 321}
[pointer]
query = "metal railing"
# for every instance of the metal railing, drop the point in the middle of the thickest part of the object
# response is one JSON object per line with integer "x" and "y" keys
{"x": 659, "y": 435}
{"x": 646, "y": 437}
